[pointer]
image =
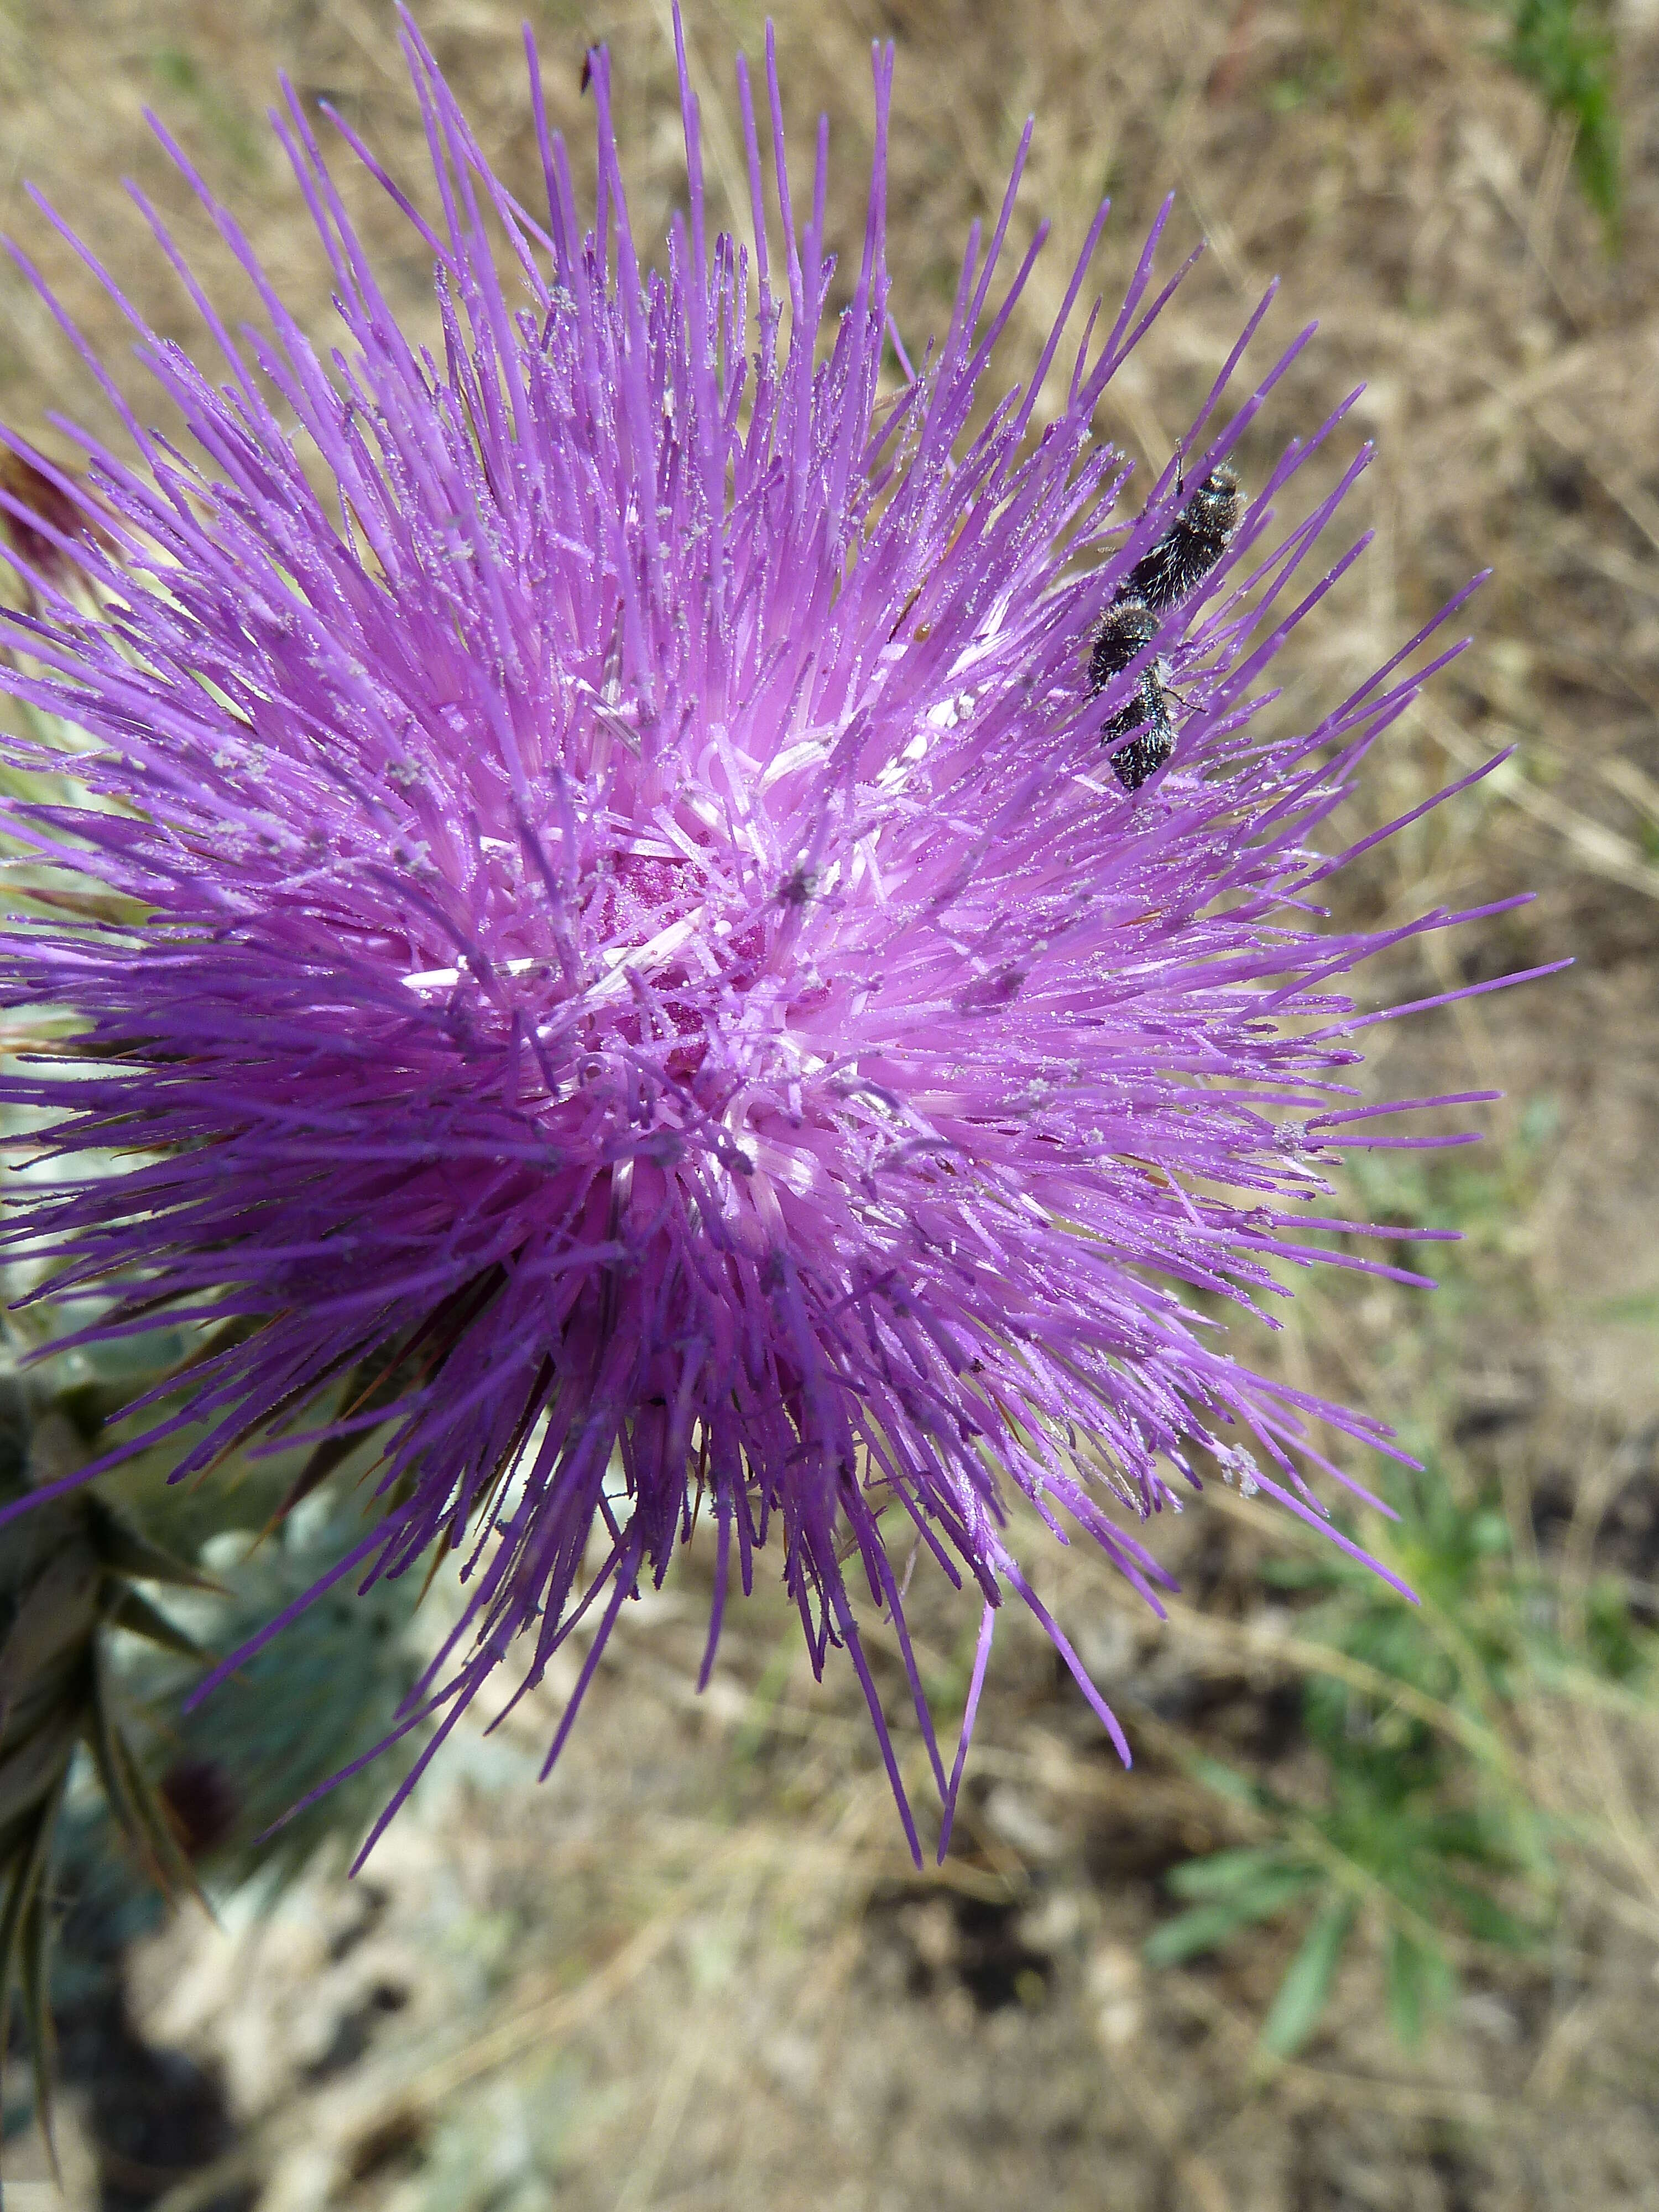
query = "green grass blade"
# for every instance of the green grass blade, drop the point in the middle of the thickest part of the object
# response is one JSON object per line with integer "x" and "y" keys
{"x": 1306, "y": 1989}
{"x": 1207, "y": 1927}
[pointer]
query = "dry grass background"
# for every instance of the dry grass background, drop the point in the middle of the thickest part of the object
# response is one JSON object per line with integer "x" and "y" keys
{"x": 696, "y": 1971}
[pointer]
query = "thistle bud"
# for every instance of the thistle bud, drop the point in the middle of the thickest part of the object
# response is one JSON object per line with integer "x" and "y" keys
{"x": 50, "y": 525}
{"x": 67, "y": 1575}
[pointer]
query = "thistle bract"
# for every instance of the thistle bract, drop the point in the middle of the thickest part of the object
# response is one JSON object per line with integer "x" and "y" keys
{"x": 634, "y": 952}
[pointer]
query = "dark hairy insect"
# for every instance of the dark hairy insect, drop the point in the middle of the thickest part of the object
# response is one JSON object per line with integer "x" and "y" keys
{"x": 1194, "y": 541}
{"x": 1164, "y": 574}
{"x": 1128, "y": 628}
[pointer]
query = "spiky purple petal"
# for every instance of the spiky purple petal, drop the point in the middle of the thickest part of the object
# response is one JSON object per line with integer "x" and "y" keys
{"x": 641, "y": 940}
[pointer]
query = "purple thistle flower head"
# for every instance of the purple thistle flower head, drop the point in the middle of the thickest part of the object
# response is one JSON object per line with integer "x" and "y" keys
{"x": 645, "y": 961}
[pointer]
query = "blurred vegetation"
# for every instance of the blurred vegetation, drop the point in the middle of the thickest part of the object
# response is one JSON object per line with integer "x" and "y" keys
{"x": 1566, "y": 49}
{"x": 1423, "y": 1816}
{"x": 1423, "y": 1813}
